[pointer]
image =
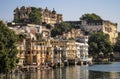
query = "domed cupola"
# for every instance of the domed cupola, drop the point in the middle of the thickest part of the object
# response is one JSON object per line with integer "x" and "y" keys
{"x": 54, "y": 12}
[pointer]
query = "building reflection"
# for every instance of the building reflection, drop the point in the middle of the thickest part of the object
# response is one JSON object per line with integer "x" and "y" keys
{"x": 70, "y": 72}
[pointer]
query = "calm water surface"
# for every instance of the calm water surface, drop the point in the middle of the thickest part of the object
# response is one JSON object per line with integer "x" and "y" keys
{"x": 106, "y": 71}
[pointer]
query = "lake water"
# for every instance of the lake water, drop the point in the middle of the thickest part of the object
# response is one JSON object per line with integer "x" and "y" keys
{"x": 104, "y": 71}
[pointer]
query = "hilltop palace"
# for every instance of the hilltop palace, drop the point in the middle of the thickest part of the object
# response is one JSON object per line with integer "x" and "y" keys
{"x": 48, "y": 16}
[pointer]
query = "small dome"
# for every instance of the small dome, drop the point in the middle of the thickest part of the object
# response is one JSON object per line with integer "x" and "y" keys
{"x": 54, "y": 12}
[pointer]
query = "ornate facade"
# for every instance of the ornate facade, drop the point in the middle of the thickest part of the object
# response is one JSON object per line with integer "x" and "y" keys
{"x": 48, "y": 16}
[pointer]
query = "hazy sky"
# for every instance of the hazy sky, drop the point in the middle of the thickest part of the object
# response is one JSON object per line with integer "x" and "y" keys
{"x": 71, "y": 9}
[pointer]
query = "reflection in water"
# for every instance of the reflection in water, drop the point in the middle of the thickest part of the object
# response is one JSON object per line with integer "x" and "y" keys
{"x": 70, "y": 72}
{"x": 103, "y": 75}
{"x": 114, "y": 67}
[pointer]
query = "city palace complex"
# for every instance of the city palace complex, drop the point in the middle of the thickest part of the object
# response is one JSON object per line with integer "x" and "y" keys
{"x": 39, "y": 48}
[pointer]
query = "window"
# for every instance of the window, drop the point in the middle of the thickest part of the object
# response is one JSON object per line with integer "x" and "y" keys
{"x": 34, "y": 58}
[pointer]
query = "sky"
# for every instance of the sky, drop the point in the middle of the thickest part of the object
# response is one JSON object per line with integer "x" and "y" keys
{"x": 72, "y": 10}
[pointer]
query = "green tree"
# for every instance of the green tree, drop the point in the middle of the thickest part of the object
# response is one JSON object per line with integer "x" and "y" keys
{"x": 56, "y": 31}
{"x": 99, "y": 42}
{"x": 118, "y": 38}
{"x": 117, "y": 46}
{"x": 92, "y": 16}
{"x": 21, "y": 37}
{"x": 19, "y": 20}
{"x": 35, "y": 16}
{"x": 60, "y": 28}
{"x": 8, "y": 50}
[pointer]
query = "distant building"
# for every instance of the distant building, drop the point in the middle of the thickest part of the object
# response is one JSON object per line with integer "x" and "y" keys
{"x": 91, "y": 26}
{"x": 106, "y": 27}
{"x": 48, "y": 16}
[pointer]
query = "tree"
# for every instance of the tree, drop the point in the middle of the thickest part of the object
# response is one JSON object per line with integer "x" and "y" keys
{"x": 117, "y": 46}
{"x": 118, "y": 38}
{"x": 35, "y": 16}
{"x": 48, "y": 26}
{"x": 92, "y": 16}
{"x": 99, "y": 42}
{"x": 21, "y": 37}
{"x": 56, "y": 31}
{"x": 8, "y": 50}
{"x": 60, "y": 28}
